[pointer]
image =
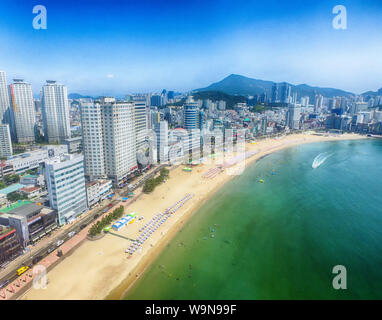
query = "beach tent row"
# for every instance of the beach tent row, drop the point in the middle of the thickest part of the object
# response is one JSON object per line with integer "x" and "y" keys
{"x": 130, "y": 218}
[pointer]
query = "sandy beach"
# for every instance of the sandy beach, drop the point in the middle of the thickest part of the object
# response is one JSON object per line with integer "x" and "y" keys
{"x": 101, "y": 269}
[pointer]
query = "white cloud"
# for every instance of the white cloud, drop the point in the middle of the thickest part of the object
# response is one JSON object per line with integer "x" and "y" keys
{"x": 110, "y": 76}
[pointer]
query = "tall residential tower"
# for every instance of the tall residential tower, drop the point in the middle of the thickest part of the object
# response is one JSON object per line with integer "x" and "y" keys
{"x": 55, "y": 112}
{"x": 22, "y": 111}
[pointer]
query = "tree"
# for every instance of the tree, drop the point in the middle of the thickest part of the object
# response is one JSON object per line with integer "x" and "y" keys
{"x": 15, "y": 196}
{"x": 13, "y": 178}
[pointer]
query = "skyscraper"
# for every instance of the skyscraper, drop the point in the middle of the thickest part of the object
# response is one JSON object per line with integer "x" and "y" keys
{"x": 318, "y": 103}
{"x": 65, "y": 182}
{"x": 293, "y": 117}
{"x": 275, "y": 93}
{"x": 22, "y": 111}
{"x": 161, "y": 131}
{"x": 191, "y": 116}
{"x": 93, "y": 140}
{"x": 55, "y": 112}
{"x": 4, "y": 98}
{"x": 141, "y": 122}
{"x": 119, "y": 140}
{"x": 285, "y": 93}
{"x": 109, "y": 140}
{"x": 5, "y": 141}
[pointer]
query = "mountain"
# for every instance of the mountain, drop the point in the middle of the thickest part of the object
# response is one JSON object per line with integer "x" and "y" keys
{"x": 78, "y": 96}
{"x": 372, "y": 93}
{"x": 239, "y": 85}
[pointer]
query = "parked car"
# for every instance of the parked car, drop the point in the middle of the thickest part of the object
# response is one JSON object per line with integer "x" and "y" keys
{"x": 36, "y": 259}
{"x": 82, "y": 226}
{"x": 59, "y": 242}
{"x": 71, "y": 234}
{"x": 51, "y": 249}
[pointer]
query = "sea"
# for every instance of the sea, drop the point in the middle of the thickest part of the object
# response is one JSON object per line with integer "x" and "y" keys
{"x": 319, "y": 206}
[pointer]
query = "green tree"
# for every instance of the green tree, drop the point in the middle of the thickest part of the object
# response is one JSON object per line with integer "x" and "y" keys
{"x": 13, "y": 178}
{"x": 15, "y": 196}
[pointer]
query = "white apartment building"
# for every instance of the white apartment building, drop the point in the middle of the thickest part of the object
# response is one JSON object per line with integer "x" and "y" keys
{"x": 293, "y": 117}
{"x": 55, "y": 112}
{"x": 65, "y": 181}
{"x": 141, "y": 122}
{"x": 93, "y": 140}
{"x": 119, "y": 140}
{"x": 22, "y": 111}
{"x": 161, "y": 131}
{"x": 109, "y": 140}
{"x": 4, "y": 98}
{"x": 5, "y": 141}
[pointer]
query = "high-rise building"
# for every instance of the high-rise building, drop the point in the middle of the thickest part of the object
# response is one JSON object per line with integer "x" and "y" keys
{"x": 65, "y": 182}
{"x": 55, "y": 112}
{"x": 285, "y": 93}
{"x": 221, "y": 105}
{"x": 109, "y": 140}
{"x": 305, "y": 101}
{"x": 5, "y": 141}
{"x": 4, "y": 98}
{"x": 141, "y": 122}
{"x": 156, "y": 100}
{"x": 275, "y": 93}
{"x": 93, "y": 140}
{"x": 161, "y": 131}
{"x": 191, "y": 117}
{"x": 318, "y": 103}
{"x": 293, "y": 117}
{"x": 22, "y": 111}
{"x": 119, "y": 140}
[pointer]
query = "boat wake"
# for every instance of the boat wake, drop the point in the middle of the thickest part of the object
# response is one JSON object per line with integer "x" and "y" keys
{"x": 320, "y": 159}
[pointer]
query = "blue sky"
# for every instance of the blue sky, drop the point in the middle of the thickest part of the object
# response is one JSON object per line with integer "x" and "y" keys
{"x": 117, "y": 47}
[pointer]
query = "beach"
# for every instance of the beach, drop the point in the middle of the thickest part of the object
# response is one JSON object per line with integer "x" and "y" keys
{"x": 101, "y": 269}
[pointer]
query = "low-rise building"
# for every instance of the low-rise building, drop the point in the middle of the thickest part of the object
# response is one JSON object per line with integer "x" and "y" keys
{"x": 32, "y": 180}
{"x": 11, "y": 188}
{"x": 31, "y": 221}
{"x": 30, "y": 192}
{"x": 5, "y": 169}
{"x": 74, "y": 144}
{"x": 10, "y": 245}
{"x": 97, "y": 191}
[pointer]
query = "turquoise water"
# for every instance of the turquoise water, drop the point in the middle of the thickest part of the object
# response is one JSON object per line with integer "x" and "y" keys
{"x": 281, "y": 239}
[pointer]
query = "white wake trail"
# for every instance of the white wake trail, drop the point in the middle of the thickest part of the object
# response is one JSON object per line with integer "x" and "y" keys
{"x": 320, "y": 159}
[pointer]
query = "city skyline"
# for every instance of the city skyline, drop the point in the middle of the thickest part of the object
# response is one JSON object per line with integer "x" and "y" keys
{"x": 147, "y": 46}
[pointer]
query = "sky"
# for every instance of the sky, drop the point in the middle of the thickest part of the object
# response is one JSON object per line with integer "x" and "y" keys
{"x": 115, "y": 47}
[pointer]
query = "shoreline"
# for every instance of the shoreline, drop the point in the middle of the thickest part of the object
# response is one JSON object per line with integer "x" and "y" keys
{"x": 112, "y": 278}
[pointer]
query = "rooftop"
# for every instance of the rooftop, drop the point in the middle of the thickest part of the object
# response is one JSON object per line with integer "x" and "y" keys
{"x": 14, "y": 206}
{"x": 12, "y": 188}
{"x": 26, "y": 209}
{"x": 30, "y": 176}
{"x": 29, "y": 189}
